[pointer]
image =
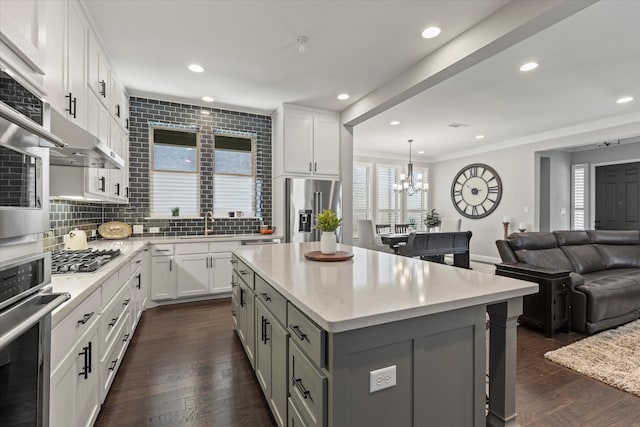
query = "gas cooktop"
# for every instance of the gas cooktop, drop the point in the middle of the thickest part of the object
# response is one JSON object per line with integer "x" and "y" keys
{"x": 83, "y": 261}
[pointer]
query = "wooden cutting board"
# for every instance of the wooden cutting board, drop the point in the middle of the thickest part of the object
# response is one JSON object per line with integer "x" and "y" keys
{"x": 319, "y": 256}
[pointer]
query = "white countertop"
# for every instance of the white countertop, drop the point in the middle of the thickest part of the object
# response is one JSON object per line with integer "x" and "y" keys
{"x": 81, "y": 285}
{"x": 373, "y": 287}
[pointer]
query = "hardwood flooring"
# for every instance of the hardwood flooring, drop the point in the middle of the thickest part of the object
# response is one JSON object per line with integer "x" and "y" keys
{"x": 186, "y": 367}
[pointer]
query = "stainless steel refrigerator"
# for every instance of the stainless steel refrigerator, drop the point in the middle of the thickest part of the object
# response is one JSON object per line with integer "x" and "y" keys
{"x": 304, "y": 199}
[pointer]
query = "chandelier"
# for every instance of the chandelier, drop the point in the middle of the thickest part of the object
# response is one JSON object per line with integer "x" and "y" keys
{"x": 409, "y": 183}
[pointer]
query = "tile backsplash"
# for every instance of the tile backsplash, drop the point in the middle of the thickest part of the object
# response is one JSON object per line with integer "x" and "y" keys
{"x": 66, "y": 215}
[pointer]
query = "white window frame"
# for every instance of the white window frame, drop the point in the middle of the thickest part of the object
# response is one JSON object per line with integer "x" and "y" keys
{"x": 369, "y": 209}
{"x": 152, "y": 170}
{"x": 578, "y": 209}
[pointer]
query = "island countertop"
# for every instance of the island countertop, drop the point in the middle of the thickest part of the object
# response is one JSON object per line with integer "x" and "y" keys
{"x": 373, "y": 287}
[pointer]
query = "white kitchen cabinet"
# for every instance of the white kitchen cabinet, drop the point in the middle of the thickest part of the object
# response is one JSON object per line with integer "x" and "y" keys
{"x": 22, "y": 37}
{"x": 307, "y": 143}
{"x": 74, "y": 394}
{"x": 221, "y": 266}
{"x": 163, "y": 278}
{"x": 194, "y": 275}
{"x": 65, "y": 80}
{"x": 119, "y": 178}
{"x": 98, "y": 71}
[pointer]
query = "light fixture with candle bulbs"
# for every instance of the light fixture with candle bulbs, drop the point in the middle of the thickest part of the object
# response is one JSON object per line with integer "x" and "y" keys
{"x": 409, "y": 183}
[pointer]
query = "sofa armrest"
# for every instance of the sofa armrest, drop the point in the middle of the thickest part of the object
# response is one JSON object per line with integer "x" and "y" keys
{"x": 530, "y": 272}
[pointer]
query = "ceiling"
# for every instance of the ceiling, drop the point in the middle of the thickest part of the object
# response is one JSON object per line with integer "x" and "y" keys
{"x": 252, "y": 63}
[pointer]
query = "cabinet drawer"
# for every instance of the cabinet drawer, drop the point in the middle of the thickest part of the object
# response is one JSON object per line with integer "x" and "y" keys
{"x": 271, "y": 299}
{"x": 246, "y": 274}
{"x": 124, "y": 273}
{"x": 295, "y": 419}
{"x": 109, "y": 288}
{"x": 311, "y": 339}
{"x": 66, "y": 334}
{"x": 137, "y": 261}
{"x": 111, "y": 361}
{"x": 307, "y": 388}
{"x": 222, "y": 246}
{"x": 112, "y": 318}
{"x": 162, "y": 249}
{"x": 191, "y": 248}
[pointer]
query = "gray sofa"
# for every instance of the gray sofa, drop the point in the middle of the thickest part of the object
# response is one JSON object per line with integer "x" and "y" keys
{"x": 589, "y": 280}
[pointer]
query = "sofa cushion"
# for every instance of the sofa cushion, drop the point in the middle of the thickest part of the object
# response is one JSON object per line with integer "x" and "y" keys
{"x": 620, "y": 256}
{"x": 615, "y": 237}
{"x": 610, "y": 296}
{"x": 552, "y": 258}
{"x": 532, "y": 241}
{"x": 584, "y": 258}
{"x": 576, "y": 237}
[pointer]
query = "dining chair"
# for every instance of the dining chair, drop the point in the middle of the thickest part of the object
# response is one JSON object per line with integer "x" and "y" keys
{"x": 368, "y": 239}
{"x": 402, "y": 228}
{"x": 381, "y": 228}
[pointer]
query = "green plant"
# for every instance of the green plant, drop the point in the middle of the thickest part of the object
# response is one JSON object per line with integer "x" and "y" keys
{"x": 328, "y": 221}
{"x": 175, "y": 211}
{"x": 432, "y": 219}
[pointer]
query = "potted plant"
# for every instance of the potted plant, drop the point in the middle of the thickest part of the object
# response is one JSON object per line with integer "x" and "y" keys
{"x": 175, "y": 211}
{"x": 432, "y": 221}
{"x": 328, "y": 222}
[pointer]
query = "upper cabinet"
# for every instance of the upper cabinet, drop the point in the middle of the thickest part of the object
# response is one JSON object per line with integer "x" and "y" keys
{"x": 306, "y": 143}
{"x": 65, "y": 79}
{"x": 98, "y": 72}
{"x": 22, "y": 43}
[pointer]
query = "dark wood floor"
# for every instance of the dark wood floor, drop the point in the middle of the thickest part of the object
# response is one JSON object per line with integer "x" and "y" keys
{"x": 185, "y": 366}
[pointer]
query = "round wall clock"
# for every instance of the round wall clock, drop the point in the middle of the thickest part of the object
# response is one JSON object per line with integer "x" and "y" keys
{"x": 476, "y": 190}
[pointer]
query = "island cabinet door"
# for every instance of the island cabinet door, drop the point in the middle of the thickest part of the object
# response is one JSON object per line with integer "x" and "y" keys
{"x": 246, "y": 321}
{"x": 271, "y": 362}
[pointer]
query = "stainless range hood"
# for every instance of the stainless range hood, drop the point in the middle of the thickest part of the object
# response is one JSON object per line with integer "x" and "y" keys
{"x": 83, "y": 149}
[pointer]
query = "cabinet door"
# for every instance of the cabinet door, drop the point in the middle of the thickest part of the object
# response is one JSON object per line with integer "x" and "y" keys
{"x": 278, "y": 339}
{"x": 326, "y": 145}
{"x": 263, "y": 349}
{"x": 98, "y": 120}
{"x": 163, "y": 278}
{"x": 77, "y": 33}
{"x": 221, "y": 272}
{"x": 21, "y": 25}
{"x": 193, "y": 275}
{"x": 55, "y": 81}
{"x": 88, "y": 389}
{"x": 97, "y": 182}
{"x": 298, "y": 141}
{"x": 98, "y": 72}
{"x": 250, "y": 344}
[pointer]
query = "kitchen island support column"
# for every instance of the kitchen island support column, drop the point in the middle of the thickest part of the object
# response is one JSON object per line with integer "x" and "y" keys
{"x": 502, "y": 362}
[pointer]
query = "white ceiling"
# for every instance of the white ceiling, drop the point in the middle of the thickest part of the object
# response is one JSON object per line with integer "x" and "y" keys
{"x": 251, "y": 60}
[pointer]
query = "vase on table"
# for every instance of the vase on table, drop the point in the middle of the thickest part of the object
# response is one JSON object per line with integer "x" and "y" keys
{"x": 328, "y": 242}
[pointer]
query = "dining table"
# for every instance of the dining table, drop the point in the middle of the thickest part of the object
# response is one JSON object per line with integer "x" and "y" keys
{"x": 443, "y": 243}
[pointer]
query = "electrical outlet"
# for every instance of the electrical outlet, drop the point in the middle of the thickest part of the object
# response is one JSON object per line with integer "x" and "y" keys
{"x": 138, "y": 229}
{"x": 525, "y": 209}
{"x": 382, "y": 378}
{"x": 93, "y": 233}
{"x": 154, "y": 229}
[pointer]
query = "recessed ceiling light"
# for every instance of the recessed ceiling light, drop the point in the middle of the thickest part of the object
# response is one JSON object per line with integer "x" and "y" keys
{"x": 529, "y": 66}
{"x": 421, "y": 152}
{"x": 207, "y": 99}
{"x": 431, "y": 32}
{"x": 205, "y": 112}
{"x": 196, "y": 68}
{"x": 343, "y": 96}
{"x": 479, "y": 136}
{"x": 394, "y": 123}
{"x": 625, "y": 99}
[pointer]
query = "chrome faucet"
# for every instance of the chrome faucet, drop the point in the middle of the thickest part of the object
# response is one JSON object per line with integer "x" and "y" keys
{"x": 207, "y": 215}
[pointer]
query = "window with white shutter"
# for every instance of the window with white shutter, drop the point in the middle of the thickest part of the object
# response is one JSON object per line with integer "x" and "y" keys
{"x": 578, "y": 196}
{"x": 387, "y": 201}
{"x": 361, "y": 194}
{"x": 174, "y": 175}
{"x": 417, "y": 203}
{"x": 234, "y": 175}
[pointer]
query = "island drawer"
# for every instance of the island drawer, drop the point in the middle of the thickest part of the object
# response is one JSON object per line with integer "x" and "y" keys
{"x": 112, "y": 317}
{"x": 246, "y": 274}
{"x": 275, "y": 302}
{"x": 311, "y": 339}
{"x": 307, "y": 388}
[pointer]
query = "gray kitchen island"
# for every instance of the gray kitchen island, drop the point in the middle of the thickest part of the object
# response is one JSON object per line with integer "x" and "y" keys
{"x": 376, "y": 340}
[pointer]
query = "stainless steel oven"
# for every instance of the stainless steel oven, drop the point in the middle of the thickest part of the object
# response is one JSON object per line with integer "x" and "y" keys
{"x": 24, "y": 163}
{"x": 26, "y": 303}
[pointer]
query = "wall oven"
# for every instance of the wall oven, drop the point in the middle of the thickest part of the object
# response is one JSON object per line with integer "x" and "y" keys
{"x": 26, "y": 303}
{"x": 24, "y": 169}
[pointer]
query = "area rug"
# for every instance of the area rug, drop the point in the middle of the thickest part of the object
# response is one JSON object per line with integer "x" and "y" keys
{"x": 612, "y": 357}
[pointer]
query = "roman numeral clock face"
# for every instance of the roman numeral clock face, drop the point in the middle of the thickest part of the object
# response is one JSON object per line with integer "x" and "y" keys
{"x": 476, "y": 190}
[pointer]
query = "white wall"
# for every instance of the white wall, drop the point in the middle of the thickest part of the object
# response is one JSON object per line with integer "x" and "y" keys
{"x": 560, "y": 194}
{"x": 614, "y": 153}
